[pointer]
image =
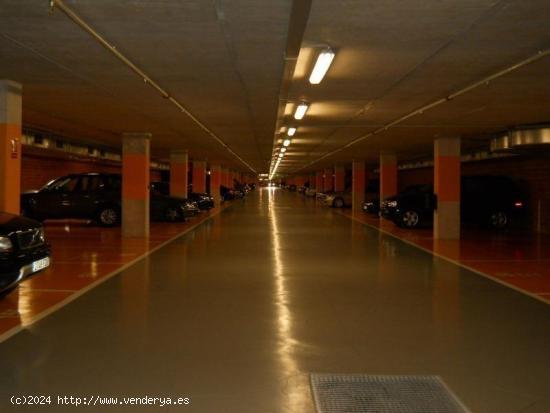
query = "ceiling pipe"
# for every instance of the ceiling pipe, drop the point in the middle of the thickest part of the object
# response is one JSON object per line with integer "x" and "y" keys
{"x": 419, "y": 111}
{"x": 111, "y": 48}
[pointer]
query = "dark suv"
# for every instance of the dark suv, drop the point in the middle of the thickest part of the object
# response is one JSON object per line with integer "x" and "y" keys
{"x": 492, "y": 201}
{"x": 97, "y": 197}
{"x": 23, "y": 250}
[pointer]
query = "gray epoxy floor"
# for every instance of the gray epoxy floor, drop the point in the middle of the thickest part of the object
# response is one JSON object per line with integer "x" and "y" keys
{"x": 237, "y": 314}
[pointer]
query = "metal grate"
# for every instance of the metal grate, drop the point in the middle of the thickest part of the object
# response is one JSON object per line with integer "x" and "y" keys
{"x": 337, "y": 393}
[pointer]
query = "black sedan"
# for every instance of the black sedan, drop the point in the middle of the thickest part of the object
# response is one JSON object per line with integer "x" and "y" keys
{"x": 493, "y": 201}
{"x": 203, "y": 200}
{"x": 23, "y": 250}
{"x": 96, "y": 197}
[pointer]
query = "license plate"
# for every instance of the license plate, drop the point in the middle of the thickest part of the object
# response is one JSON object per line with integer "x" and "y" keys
{"x": 40, "y": 264}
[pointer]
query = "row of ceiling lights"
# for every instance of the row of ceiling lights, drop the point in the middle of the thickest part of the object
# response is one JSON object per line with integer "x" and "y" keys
{"x": 319, "y": 71}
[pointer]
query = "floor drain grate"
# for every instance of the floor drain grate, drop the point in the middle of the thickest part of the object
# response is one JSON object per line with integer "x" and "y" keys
{"x": 338, "y": 393}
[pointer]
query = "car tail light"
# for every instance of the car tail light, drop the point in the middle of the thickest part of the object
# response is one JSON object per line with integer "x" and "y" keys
{"x": 518, "y": 204}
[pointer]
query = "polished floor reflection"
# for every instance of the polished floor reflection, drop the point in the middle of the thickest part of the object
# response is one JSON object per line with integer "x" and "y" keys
{"x": 238, "y": 313}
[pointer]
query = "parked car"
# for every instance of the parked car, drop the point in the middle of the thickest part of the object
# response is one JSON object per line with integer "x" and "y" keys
{"x": 97, "y": 197}
{"x": 372, "y": 197}
{"x": 23, "y": 250}
{"x": 323, "y": 194}
{"x": 203, "y": 200}
{"x": 226, "y": 193}
{"x": 338, "y": 199}
{"x": 492, "y": 201}
{"x": 312, "y": 192}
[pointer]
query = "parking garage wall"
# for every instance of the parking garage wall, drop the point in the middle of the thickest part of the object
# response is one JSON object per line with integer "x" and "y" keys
{"x": 533, "y": 173}
{"x": 37, "y": 170}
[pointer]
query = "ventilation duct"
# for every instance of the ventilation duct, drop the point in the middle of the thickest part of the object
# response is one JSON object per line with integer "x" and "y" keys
{"x": 523, "y": 140}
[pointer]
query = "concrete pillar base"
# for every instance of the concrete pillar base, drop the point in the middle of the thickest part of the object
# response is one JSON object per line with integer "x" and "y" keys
{"x": 179, "y": 169}
{"x": 135, "y": 184}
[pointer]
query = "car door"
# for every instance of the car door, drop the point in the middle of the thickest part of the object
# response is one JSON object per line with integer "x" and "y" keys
{"x": 83, "y": 198}
{"x": 54, "y": 200}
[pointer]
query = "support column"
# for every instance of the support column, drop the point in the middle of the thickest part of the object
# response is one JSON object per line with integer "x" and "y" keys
{"x": 215, "y": 182}
{"x": 339, "y": 178}
{"x": 319, "y": 183}
{"x": 199, "y": 176}
{"x": 359, "y": 184}
{"x": 224, "y": 177}
{"x": 329, "y": 181}
{"x": 135, "y": 184}
{"x": 447, "y": 188}
{"x": 388, "y": 175}
{"x": 179, "y": 168}
{"x": 10, "y": 146}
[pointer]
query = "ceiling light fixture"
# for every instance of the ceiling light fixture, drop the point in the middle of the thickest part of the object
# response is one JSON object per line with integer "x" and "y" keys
{"x": 281, "y": 154}
{"x": 286, "y": 142}
{"x": 301, "y": 110}
{"x": 321, "y": 66}
{"x": 291, "y": 131}
{"x": 283, "y": 150}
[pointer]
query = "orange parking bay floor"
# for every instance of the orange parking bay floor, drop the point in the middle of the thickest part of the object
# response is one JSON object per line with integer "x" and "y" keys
{"x": 83, "y": 256}
{"x": 519, "y": 260}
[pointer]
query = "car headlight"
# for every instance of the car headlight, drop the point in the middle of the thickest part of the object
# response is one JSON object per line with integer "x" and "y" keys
{"x": 42, "y": 235}
{"x": 391, "y": 204}
{"x": 5, "y": 244}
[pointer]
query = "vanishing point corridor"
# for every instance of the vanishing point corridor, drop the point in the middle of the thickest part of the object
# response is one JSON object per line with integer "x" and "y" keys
{"x": 236, "y": 314}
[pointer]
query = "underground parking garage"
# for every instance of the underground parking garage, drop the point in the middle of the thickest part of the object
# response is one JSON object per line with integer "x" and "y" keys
{"x": 274, "y": 206}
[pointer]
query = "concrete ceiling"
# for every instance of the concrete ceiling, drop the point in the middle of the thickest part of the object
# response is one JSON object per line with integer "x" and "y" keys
{"x": 393, "y": 57}
{"x": 224, "y": 60}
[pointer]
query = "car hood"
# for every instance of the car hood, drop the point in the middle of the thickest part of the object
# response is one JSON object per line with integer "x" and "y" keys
{"x": 10, "y": 223}
{"x": 30, "y": 192}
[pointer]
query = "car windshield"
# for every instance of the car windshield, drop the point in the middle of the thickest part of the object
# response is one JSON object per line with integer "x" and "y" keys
{"x": 64, "y": 184}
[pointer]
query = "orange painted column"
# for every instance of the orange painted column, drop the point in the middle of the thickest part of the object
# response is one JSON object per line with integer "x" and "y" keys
{"x": 447, "y": 188}
{"x": 339, "y": 178}
{"x": 359, "y": 184}
{"x": 10, "y": 146}
{"x": 388, "y": 175}
{"x": 135, "y": 184}
{"x": 199, "y": 176}
{"x": 215, "y": 182}
{"x": 329, "y": 181}
{"x": 319, "y": 182}
{"x": 179, "y": 169}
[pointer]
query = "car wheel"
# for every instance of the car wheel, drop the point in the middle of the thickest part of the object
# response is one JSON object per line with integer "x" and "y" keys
{"x": 410, "y": 219}
{"x": 108, "y": 216}
{"x": 173, "y": 214}
{"x": 338, "y": 203}
{"x": 499, "y": 220}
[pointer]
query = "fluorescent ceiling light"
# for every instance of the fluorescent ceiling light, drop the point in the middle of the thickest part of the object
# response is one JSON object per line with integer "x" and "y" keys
{"x": 321, "y": 66}
{"x": 286, "y": 142}
{"x": 301, "y": 110}
{"x": 291, "y": 131}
